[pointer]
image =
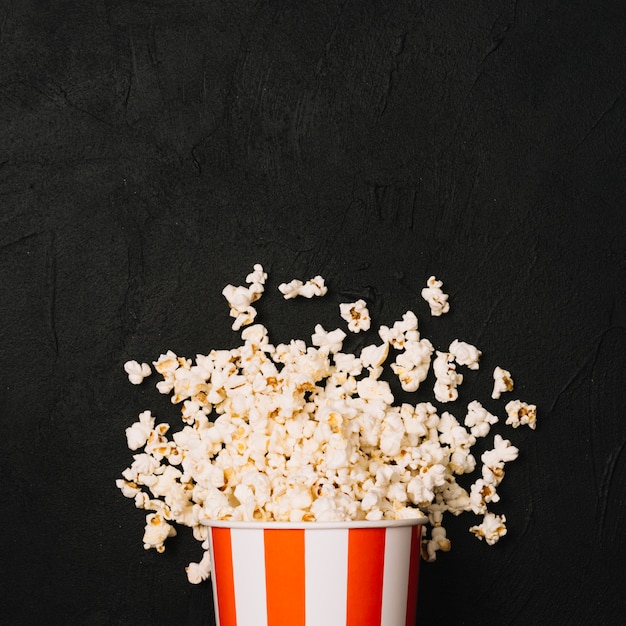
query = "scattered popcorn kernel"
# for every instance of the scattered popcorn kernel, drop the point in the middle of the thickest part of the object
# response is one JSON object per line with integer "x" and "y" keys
{"x": 291, "y": 289}
{"x": 502, "y": 382}
{"x": 136, "y": 371}
{"x": 478, "y": 419}
{"x": 328, "y": 342}
{"x": 437, "y": 300}
{"x": 258, "y": 276}
{"x": 519, "y": 413}
{"x": 314, "y": 287}
{"x": 137, "y": 434}
{"x": 465, "y": 354}
{"x": 401, "y": 332}
{"x": 492, "y": 528}
{"x": 241, "y": 298}
{"x": 157, "y": 530}
{"x": 197, "y": 572}
{"x": 447, "y": 379}
{"x": 374, "y": 356}
{"x": 412, "y": 364}
{"x": 357, "y": 315}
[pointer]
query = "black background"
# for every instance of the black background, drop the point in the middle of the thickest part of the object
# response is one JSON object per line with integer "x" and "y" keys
{"x": 152, "y": 152}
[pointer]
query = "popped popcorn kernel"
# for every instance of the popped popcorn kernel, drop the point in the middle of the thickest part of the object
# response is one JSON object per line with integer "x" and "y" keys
{"x": 519, "y": 413}
{"x": 401, "y": 332}
{"x": 137, "y": 371}
{"x": 240, "y": 299}
{"x": 437, "y": 300}
{"x": 502, "y": 382}
{"x": 157, "y": 530}
{"x": 447, "y": 379}
{"x": 257, "y": 276}
{"x": 478, "y": 419}
{"x": 491, "y": 529}
{"x": 465, "y": 354}
{"x": 328, "y": 342}
{"x": 197, "y": 572}
{"x": 137, "y": 434}
{"x": 314, "y": 287}
{"x": 357, "y": 315}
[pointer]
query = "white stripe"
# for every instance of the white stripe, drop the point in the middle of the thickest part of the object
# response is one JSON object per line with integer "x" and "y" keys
{"x": 396, "y": 575}
{"x": 249, "y": 576}
{"x": 326, "y": 572}
{"x": 213, "y": 578}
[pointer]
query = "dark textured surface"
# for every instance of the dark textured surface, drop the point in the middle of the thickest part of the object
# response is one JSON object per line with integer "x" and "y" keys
{"x": 151, "y": 152}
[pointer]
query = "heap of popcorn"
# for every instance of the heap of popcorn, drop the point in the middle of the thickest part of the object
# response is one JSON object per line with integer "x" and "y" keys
{"x": 297, "y": 432}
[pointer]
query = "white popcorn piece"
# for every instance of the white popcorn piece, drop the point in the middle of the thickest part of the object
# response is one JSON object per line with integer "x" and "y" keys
{"x": 437, "y": 300}
{"x": 157, "y": 530}
{"x": 328, "y": 342}
{"x": 465, "y": 354}
{"x": 519, "y": 413}
{"x": 197, "y": 572}
{"x": 401, "y": 332}
{"x": 128, "y": 488}
{"x": 447, "y": 379}
{"x": 314, "y": 287}
{"x": 167, "y": 363}
{"x": 503, "y": 452}
{"x": 240, "y": 299}
{"x": 357, "y": 315}
{"x": 502, "y": 382}
{"x": 478, "y": 419}
{"x": 137, "y": 371}
{"x": 137, "y": 434}
{"x": 411, "y": 366}
{"x": 291, "y": 289}
{"x": 257, "y": 276}
{"x": 374, "y": 356}
{"x": 481, "y": 493}
{"x": 491, "y": 529}
{"x": 438, "y": 541}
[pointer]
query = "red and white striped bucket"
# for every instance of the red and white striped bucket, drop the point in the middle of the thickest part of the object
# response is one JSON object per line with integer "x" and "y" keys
{"x": 315, "y": 573}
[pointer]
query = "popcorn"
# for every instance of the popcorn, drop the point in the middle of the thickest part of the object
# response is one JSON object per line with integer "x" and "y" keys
{"x": 197, "y": 572}
{"x": 478, "y": 419}
{"x": 447, "y": 379}
{"x": 437, "y": 300}
{"x": 357, "y": 316}
{"x": 520, "y": 413}
{"x": 241, "y": 298}
{"x": 374, "y": 356}
{"x": 401, "y": 331}
{"x": 314, "y": 287}
{"x": 311, "y": 433}
{"x": 502, "y": 382}
{"x": 137, "y": 434}
{"x": 258, "y": 276}
{"x": 137, "y": 372}
{"x": 492, "y": 528}
{"x": 465, "y": 354}
{"x": 157, "y": 530}
{"x": 328, "y": 342}
{"x": 412, "y": 365}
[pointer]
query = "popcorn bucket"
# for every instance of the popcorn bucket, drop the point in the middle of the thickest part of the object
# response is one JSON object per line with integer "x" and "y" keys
{"x": 315, "y": 573}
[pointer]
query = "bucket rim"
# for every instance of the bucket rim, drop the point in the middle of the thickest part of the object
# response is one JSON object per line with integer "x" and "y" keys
{"x": 277, "y": 525}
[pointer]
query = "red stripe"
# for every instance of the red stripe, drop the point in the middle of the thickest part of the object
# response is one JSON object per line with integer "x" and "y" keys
{"x": 366, "y": 560}
{"x": 411, "y": 608}
{"x": 224, "y": 579}
{"x": 285, "y": 577}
